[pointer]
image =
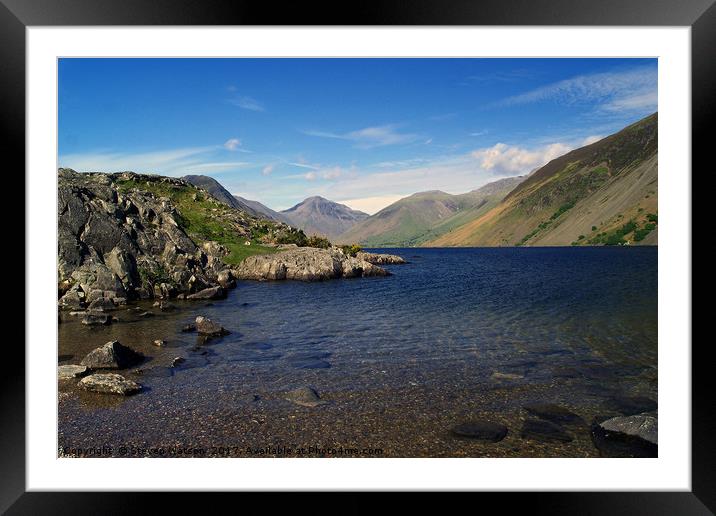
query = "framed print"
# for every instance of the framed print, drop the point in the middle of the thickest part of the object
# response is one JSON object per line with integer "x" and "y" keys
{"x": 426, "y": 251}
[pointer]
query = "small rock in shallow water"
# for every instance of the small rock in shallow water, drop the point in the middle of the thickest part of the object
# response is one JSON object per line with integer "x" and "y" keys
{"x": 164, "y": 306}
{"x": 96, "y": 319}
{"x": 178, "y": 360}
{"x": 627, "y": 436}
{"x": 110, "y": 383}
{"x": 552, "y": 412}
{"x": 217, "y": 292}
{"x": 112, "y": 355}
{"x": 310, "y": 360}
{"x": 160, "y": 343}
{"x": 506, "y": 376}
{"x": 206, "y": 326}
{"x": 539, "y": 430}
{"x": 482, "y": 430}
{"x": 187, "y": 328}
{"x": 71, "y": 371}
{"x": 304, "y": 396}
{"x": 102, "y": 304}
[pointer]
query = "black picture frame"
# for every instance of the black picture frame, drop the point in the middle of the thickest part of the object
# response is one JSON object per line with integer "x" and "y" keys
{"x": 700, "y": 15}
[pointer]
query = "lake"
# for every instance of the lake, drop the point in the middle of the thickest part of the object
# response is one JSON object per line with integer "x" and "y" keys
{"x": 454, "y": 335}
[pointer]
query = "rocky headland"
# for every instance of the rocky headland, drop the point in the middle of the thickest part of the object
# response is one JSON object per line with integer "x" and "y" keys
{"x": 127, "y": 236}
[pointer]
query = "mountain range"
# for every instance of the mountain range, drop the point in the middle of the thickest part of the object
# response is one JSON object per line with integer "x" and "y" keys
{"x": 602, "y": 193}
{"x": 423, "y": 216}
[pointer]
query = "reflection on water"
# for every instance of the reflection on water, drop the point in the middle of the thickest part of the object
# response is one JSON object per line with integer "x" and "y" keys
{"x": 452, "y": 333}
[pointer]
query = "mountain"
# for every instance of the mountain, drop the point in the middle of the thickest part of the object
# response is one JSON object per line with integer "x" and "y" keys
{"x": 253, "y": 208}
{"x": 424, "y": 216}
{"x": 262, "y": 209}
{"x": 603, "y": 193}
{"x": 320, "y": 216}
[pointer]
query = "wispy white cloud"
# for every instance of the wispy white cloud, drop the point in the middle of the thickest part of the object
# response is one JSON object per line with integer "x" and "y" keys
{"x": 268, "y": 169}
{"x": 232, "y": 144}
{"x": 368, "y": 137}
{"x": 226, "y": 165}
{"x": 499, "y": 76}
{"x": 328, "y": 173}
{"x": 245, "y": 102}
{"x": 302, "y": 165}
{"x": 160, "y": 162}
{"x": 634, "y": 89}
{"x": 510, "y": 159}
{"x": 171, "y": 162}
{"x": 479, "y": 133}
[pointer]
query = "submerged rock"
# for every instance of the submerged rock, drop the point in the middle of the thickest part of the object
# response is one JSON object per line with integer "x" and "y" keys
{"x": 306, "y": 264}
{"x": 545, "y": 431}
{"x": 164, "y": 306}
{"x": 552, "y": 412}
{"x": 481, "y": 430}
{"x": 71, "y": 371}
{"x": 304, "y": 396}
{"x": 188, "y": 328}
{"x": 206, "y": 326}
{"x": 627, "y": 436}
{"x": 310, "y": 360}
{"x": 630, "y": 405}
{"x": 112, "y": 355}
{"x": 497, "y": 375}
{"x": 102, "y": 304}
{"x": 96, "y": 319}
{"x": 110, "y": 383}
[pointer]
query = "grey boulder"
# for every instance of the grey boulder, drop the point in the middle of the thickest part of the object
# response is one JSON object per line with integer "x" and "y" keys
{"x": 71, "y": 371}
{"x": 112, "y": 355}
{"x": 627, "y": 436}
{"x": 96, "y": 319}
{"x": 206, "y": 326}
{"x": 217, "y": 292}
{"x": 110, "y": 383}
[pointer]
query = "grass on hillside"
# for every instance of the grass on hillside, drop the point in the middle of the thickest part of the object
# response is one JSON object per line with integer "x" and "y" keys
{"x": 200, "y": 216}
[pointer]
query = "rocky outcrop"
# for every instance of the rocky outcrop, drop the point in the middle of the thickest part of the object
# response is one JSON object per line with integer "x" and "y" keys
{"x": 380, "y": 259}
{"x": 306, "y": 264}
{"x": 120, "y": 243}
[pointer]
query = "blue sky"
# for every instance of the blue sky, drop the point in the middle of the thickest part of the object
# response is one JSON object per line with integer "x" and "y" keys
{"x": 363, "y": 132}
